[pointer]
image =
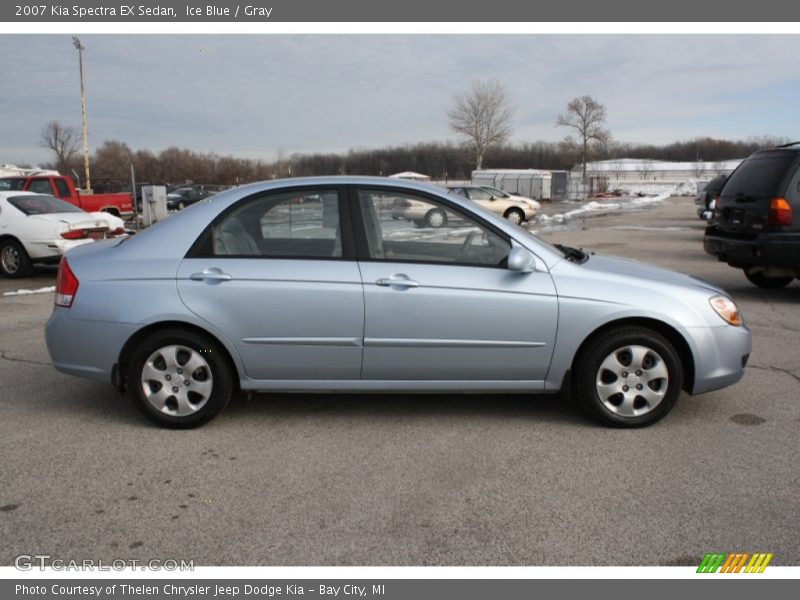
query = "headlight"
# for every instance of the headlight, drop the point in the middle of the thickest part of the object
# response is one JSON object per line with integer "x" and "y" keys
{"x": 727, "y": 309}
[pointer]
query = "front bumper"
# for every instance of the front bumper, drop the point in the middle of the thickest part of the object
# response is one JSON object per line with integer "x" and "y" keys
{"x": 720, "y": 356}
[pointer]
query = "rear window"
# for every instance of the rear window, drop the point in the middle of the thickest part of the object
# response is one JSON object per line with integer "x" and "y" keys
{"x": 759, "y": 177}
{"x": 42, "y": 205}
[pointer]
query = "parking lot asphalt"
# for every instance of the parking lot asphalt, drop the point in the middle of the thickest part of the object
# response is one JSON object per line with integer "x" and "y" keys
{"x": 412, "y": 479}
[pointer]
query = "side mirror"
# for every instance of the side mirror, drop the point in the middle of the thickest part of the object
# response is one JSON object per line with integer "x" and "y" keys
{"x": 522, "y": 260}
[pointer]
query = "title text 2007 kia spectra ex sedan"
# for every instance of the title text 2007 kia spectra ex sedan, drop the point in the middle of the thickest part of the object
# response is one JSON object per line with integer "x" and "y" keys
{"x": 311, "y": 285}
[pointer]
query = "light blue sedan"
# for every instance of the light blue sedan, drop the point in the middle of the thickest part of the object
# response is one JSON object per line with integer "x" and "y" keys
{"x": 311, "y": 285}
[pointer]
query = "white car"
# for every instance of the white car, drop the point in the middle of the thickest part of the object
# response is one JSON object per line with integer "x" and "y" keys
{"x": 498, "y": 193}
{"x": 515, "y": 211}
{"x": 36, "y": 228}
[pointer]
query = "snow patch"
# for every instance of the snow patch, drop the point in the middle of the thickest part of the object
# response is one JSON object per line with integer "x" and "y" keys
{"x": 595, "y": 206}
{"x": 44, "y": 290}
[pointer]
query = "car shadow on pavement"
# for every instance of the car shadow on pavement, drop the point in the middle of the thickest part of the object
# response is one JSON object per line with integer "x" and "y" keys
{"x": 541, "y": 407}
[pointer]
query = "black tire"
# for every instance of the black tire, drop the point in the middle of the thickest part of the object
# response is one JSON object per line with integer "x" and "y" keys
{"x": 518, "y": 213}
{"x": 14, "y": 260}
{"x": 770, "y": 283}
{"x": 221, "y": 377}
{"x": 588, "y": 375}
{"x": 436, "y": 218}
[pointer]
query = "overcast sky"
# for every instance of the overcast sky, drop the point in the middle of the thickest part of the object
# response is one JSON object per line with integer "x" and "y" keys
{"x": 256, "y": 95}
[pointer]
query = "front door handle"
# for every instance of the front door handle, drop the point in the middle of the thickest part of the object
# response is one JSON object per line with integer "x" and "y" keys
{"x": 212, "y": 274}
{"x": 397, "y": 281}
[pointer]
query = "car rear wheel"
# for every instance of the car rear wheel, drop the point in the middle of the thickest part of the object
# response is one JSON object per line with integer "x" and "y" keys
{"x": 629, "y": 377}
{"x": 179, "y": 379}
{"x": 435, "y": 218}
{"x": 771, "y": 283}
{"x": 515, "y": 215}
{"x": 14, "y": 261}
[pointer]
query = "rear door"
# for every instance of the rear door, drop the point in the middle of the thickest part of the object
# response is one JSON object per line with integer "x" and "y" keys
{"x": 277, "y": 275}
{"x": 440, "y": 303}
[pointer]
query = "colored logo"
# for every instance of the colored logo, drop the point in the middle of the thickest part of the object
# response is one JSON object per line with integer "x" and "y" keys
{"x": 734, "y": 562}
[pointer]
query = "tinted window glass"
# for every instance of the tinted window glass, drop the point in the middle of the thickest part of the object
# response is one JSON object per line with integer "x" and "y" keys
{"x": 404, "y": 227}
{"x": 40, "y": 186}
{"x": 758, "y": 177}
{"x": 295, "y": 224}
{"x": 13, "y": 185}
{"x": 42, "y": 205}
{"x": 62, "y": 188}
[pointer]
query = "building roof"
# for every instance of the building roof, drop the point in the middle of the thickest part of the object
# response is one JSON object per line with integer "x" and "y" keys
{"x": 642, "y": 164}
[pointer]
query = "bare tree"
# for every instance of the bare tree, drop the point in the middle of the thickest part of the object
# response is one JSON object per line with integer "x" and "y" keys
{"x": 63, "y": 141}
{"x": 616, "y": 167}
{"x": 587, "y": 117}
{"x": 698, "y": 168}
{"x": 646, "y": 167}
{"x": 482, "y": 114}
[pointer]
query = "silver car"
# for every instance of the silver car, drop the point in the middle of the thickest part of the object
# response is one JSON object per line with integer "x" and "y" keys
{"x": 311, "y": 285}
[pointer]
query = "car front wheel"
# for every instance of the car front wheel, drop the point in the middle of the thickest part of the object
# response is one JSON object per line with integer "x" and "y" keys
{"x": 515, "y": 215}
{"x": 435, "y": 218}
{"x": 14, "y": 261}
{"x": 629, "y": 377}
{"x": 179, "y": 379}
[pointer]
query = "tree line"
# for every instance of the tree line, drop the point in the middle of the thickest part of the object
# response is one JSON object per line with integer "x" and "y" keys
{"x": 111, "y": 161}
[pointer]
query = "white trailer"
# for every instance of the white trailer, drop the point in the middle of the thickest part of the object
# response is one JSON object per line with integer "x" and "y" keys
{"x": 532, "y": 183}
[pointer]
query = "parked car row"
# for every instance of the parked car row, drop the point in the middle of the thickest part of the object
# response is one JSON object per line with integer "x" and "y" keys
{"x": 753, "y": 226}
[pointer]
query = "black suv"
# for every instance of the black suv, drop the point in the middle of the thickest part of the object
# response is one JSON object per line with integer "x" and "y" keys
{"x": 754, "y": 229}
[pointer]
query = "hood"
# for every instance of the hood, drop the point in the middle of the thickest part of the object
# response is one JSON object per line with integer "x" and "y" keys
{"x": 644, "y": 273}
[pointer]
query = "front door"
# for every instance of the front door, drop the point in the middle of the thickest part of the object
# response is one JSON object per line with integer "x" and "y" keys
{"x": 440, "y": 303}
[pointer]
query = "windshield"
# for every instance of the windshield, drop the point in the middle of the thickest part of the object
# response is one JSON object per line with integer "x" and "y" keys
{"x": 11, "y": 184}
{"x": 42, "y": 205}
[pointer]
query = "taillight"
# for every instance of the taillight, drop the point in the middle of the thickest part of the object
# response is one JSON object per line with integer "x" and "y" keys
{"x": 117, "y": 231}
{"x": 780, "y": 213}
{"x": 74, "y": 234}
{"x": 66, "y": 284}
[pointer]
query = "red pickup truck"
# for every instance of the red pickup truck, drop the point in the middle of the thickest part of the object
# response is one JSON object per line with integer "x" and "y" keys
{"x": 62, "y": 187}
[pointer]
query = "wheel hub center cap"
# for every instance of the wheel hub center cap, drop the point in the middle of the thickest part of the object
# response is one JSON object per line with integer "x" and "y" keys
{"x": 177, "y": 379}
{"x": 632, "y": 380}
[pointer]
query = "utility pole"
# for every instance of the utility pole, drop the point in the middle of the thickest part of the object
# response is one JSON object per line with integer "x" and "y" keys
{"x": 87, "y": 181}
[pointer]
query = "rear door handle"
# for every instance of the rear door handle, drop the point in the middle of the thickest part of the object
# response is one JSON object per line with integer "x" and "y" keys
{"x": 397, "y": 281}
{"x": 212, "y": 274}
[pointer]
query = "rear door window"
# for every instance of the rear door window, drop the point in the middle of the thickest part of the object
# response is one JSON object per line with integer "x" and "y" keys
{"x": 759, "y": 177}
{"x": 40, "y": 186}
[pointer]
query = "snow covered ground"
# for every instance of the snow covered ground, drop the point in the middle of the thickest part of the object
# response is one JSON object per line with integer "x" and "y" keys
{"x": 637, "y": 197}
{"x": 24, "y": 292}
